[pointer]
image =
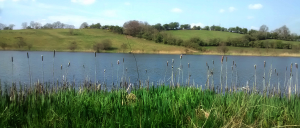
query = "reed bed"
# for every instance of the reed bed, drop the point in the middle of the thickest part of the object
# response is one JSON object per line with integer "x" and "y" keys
{"x": 160, "y": 106}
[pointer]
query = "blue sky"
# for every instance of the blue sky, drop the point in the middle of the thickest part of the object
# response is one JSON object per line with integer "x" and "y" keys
{"x": 230, "y": 13}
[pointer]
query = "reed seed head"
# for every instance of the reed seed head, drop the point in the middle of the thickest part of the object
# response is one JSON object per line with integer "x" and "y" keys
{"x": 172, "y": 67}
{"x": 181, "y": 56}
{"x": 123, "y": 60}
{"x": 12, "y": 59}
{"x": 254, "y": 66}
{"x": 118, "y": 62}
{"x": 167, "y": 63}
{"x": 173, "y": 61}
{"x": 146, "y": 70}
{"x": 275, "y": 70}
{"x": 95, "y": 54}
{"x": 104, "y": 70}
{"x": 126, "y": 69}
{"x": 264, "y": 64}
{"x": 54, "y": 53}
{"x": 296, "y": 65}
{"x": 226, "y": 58}
{"x": 213, "y": 62}
{"x": 188, "y": 65}
{"x": 27, "y": 55}
{"x": 61, "y": 67}
{"x": 69, "y": 64}
{"x": 42, "y": 58}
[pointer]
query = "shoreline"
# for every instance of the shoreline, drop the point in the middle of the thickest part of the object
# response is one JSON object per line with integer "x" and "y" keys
{"x": 283, "y": 54}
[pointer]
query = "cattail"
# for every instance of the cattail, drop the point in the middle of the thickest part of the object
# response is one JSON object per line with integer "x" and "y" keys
{"x": 27, "y": 55}
{"x": 222, "y": 59}
{"x": 123, "y": 60}
{"x": 167, "y": 63}
{"x": 95, "y": 54}
{"x": 42, "y": 58}
{"x": 232, "y": 62}
{"x": 264, "y": 64}
{"x": 275, "y": 70}
{"x": 118, "y": 62}
{"x": 255, "y": 67}
{"x": 54, "y": 53}
{"x": 226, "y": 58}
{"x": 188, "y": 65}
{"x": 61, "y": 67}
{"x": 181, "y": 56}
{"x": 173, "y": 61}
{"x": 213, "y": 62}
{"x": 296, "y": 65}
{"x": 172, "y": 67}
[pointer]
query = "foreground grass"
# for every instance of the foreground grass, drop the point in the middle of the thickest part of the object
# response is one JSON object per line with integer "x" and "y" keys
{"x": 60, "y": 39}
{"x": 156, "y": 107}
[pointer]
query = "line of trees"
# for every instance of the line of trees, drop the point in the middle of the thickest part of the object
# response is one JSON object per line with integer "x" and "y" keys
{"x": 5, "y": 27}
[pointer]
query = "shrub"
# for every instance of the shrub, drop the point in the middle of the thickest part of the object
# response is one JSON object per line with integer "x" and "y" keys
{"x": 73, "y": 45}
{"x": 3, "y": 45}
{"x": 103, "y": 45}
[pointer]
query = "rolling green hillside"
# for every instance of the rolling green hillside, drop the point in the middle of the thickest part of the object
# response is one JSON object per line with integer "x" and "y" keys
{"x": 60, "y": 39}
{"x": 203, "y": 34}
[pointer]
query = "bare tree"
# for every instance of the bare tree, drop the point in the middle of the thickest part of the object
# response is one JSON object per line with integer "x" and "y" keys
{"x": 132, "y": 27}
{"x": 84, "y": 25}
{"x": 37, "y": 25}
{"x": 24, "y": 25}
{"x": 32, "y": 24}
{"x": 2, "y": 26}
{"x": 11, "y": 26}
{"x": 283, "y": 32}
{"x": 264, "y": 29}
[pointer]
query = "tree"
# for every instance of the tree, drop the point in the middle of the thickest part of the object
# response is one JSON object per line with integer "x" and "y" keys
{"x": 206, "y": 28}
{"x": 37, "y": 25}
{"x": 158, "y": 27}
{"x": 2, "y": 26}
{"x": 3, "y": 45}
{"x": 185, "y": 26}
{"x": 132, "y": 27}
{"x": 11, "y": 26}
{"x": 32, "y": 24}
{"x": 264, "y": 29}
{"x": 222, "y": 48}
{"x": 84, "y": 25}
{"x": 96, "y": 26}
{"x": 174, "y": 25}
{"x": 166, "y": 26}
{"x": 24, "y": 25}
{"x": 73, "y": 45}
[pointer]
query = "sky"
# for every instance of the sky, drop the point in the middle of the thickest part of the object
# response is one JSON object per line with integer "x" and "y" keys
{"x": 249, "y": 14}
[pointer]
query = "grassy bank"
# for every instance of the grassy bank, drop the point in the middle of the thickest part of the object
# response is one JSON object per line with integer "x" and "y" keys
{"x": 153, "y": 107}
{"x": 60, "y": 39}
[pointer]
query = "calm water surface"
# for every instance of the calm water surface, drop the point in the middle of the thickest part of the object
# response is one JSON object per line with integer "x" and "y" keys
{"x": 84, "y": 65}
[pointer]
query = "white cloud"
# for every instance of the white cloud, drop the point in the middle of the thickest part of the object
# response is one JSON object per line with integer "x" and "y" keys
{"x": 255, "y": 6}
{"x": 250, "y": 17}
{"x": 127, "y": 3}
{"x": 231, "y": 9}
{"x": 85, "y": 2}
{"x": 110, "y": 13}
{"x": 222, "y": 10}
{"x": 177, "y": 10}
{"x": 197, "y": 24}
{"x": 254, "y": 28}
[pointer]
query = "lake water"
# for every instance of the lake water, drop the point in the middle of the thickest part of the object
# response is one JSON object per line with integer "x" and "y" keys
{"x": 84, "y": 65}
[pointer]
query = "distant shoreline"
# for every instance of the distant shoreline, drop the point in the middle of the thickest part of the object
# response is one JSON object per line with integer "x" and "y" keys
{"x": 283, "y": 54}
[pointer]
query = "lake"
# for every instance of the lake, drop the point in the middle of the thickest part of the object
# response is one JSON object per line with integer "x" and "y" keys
{"x": 150, "y": 66}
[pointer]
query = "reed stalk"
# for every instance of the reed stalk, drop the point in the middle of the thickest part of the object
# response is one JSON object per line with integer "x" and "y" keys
{"x": 296, "y": 85}
{"x": 226, "y": 73}
{"x": 255, "y": 77}
{"x": 264, "y": 79}
{"x": 53, "y": 65}
{"x": 212, "y": 75}
{"x": 12, "y": 70}
{"x": 118, "y": 62}
{"x": 221, "y": 74}
{"x": 95, "y": 70}
{"x": 43, "y": 67}
{"x": 180, "y": 70}
{"x": 166, "y": 72}
{"x": 104, "y": 79}
{"x": 189, "y": 74}
{"x": 29, "y": 69}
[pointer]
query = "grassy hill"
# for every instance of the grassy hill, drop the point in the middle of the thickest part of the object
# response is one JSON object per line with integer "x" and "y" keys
{"x": 203, "y": 34}
{"x": 60, "y": 39}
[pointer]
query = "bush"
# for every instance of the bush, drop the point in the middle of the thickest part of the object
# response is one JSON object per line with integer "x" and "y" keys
{"x": 73, "y": 45}
{"x": 223, "y": 48}
{"x": 103, "y": 45}
{"x": 124, "y": 47}
{"x": 3, "y": 45}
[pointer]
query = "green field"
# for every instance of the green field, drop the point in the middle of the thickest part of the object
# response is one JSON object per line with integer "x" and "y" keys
{"x": 203, "y": 34}
{"x": 60, "y": 39}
